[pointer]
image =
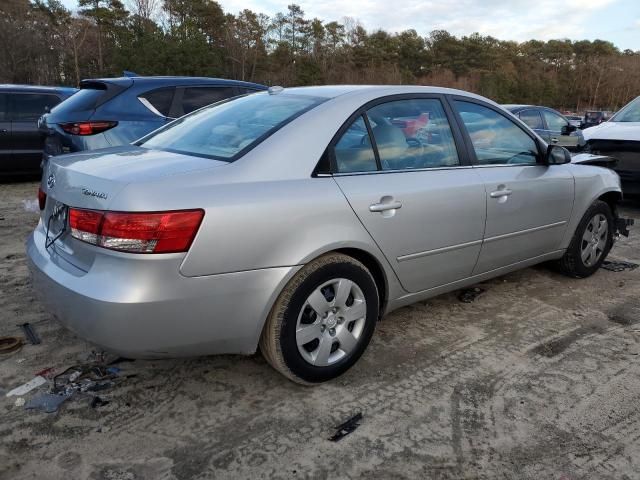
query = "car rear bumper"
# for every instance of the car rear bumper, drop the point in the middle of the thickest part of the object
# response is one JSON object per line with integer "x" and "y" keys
{"x": 143, "y": 308}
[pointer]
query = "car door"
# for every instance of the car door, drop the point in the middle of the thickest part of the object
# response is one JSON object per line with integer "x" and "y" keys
{"x": 27, "y": 143}
{"x": 5, "y": 132}
{"x": 533, "y": 119}
{"x": 405, "y": 173}
{"x": 528, "y": 203}
{"x": 556, "y": 126}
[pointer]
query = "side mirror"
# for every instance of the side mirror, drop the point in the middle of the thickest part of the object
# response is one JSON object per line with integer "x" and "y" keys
{"x": 567, "y": 129}
{"x": 557, "y": 155}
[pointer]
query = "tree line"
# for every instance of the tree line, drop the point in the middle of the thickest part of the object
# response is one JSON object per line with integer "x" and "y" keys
{"x": 42, "y": 42}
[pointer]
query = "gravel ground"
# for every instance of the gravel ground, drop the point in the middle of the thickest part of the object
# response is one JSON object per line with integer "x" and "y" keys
{"x": 537, "y": 378}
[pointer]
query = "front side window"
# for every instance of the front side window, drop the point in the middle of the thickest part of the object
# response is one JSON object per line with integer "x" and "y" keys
{"x": 532, "y": 119}
{"x": 354, "y": 152}
{"x": 555, "y": 122}
{"x": 30, "y": 106}
{"x": 227, "y": 130}
{"x": 198, "y": 97}
{"x": 496, "y": 139}
{"x": 412, "y": 134}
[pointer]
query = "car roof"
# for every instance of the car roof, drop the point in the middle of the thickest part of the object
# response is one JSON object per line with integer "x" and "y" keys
{"x": 37, "y": 89}
{"x": 334, "y": 91}
{"x": 161, "y": 81}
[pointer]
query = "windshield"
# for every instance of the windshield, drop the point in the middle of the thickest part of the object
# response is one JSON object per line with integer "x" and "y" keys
{"x": 228, "y": 129}
{"x": 630, "y": 113}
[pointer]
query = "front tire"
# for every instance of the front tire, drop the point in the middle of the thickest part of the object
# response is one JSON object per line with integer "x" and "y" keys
{"x": 591, "y": 242}
{"x": 322, "y": 321}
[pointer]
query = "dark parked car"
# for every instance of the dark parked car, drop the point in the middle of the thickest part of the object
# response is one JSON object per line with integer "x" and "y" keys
{"x": 116, "y": 111}
{"x": 594, "y": 117}
{"x": 552, "y": 126}
{"x": 20, "y": 142}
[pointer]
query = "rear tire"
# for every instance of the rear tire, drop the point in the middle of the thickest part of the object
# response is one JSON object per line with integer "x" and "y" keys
{"x": 322, "y": 321}
{"x": 591, "y": 242}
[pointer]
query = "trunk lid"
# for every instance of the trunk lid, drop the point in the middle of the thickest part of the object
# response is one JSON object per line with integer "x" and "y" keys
{"x": 91, "y": 180}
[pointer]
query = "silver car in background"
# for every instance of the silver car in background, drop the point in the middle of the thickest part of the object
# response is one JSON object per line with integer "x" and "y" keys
{"x": 292, "y": 220}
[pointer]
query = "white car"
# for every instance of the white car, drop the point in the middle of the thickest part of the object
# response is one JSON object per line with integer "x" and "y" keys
{"x": 619, "y": 138}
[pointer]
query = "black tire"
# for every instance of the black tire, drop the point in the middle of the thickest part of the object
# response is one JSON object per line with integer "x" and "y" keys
{"x": 278, "y": 340}
{"x": 571, "y": 264}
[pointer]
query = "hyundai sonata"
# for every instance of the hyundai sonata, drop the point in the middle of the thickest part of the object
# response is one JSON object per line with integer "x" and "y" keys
{"x": 292, "y": 220}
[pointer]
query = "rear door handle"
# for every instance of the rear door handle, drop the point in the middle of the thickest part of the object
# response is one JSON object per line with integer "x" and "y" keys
{"x": 505, "y": 192}
{"x": 554, "y": 140}
{"x": 3, "y": 130}
{"x": 386, "y": 203}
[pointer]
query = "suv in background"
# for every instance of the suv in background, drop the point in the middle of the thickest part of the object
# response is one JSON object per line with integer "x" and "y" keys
{"x": 594, "y": 117}
{"x": 20, "y": 142}
{"x": 116, "y": 111}
{"x": 551, "y": 125}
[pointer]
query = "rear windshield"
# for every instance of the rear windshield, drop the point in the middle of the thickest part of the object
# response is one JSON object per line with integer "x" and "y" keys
{"x": 228, "y": 129}
{"x": 630, "y": 113}
{"x": 85, "y": 99}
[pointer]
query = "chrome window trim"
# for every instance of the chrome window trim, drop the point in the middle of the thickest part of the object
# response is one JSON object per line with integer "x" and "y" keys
{"x": 153, "y": 109}
{"x": 405, "y": 170}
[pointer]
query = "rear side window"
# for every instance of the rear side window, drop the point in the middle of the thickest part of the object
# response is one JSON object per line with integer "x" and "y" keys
{"x": 4, "y": 107}
{"x": 412, "y": 134}
{"x": 158, "y": 101}
{"x": 532, "y": 119}
{"x": 496, "y": 139}
{"x": 354, "y": 152}
{"x": 30, "y": 106}
{"x": 228, "y": 130}
{"x": 86, "y": 99}
{"x": 198, "y": 97}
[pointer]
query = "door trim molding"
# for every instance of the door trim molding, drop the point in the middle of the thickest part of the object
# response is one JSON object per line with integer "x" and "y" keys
{"x": 525, "y": 232}
{"x": 436, "y": 251}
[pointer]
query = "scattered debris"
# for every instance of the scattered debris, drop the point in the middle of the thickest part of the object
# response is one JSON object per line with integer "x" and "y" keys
{"x": 10, "y": 344}
{"x": 619, "y": 266}
{"x": 468, "y": 295}
{"x": 83, "y": 378}
{"x": 346, "y": 428}
{"x": 20, "y": 360}
{"x": 47, "y": 402}
{"x": 19, "y": 402}
{"x": 30, "y": 333}
{"x": 98, "y": 402}
{"x": 27, "y": 387}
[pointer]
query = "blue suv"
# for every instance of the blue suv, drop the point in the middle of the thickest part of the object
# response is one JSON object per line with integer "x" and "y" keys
{"x": 116, "y": 111}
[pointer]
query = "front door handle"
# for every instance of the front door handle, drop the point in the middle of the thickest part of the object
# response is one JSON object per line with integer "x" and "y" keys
{"x": 554, "y": 140}
{"x": 505, "y": 192}
{"x": 3, "y": 130}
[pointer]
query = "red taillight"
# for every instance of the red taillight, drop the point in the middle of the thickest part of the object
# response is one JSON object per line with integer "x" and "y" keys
{"x": 42, "y": 198}
{"x": 87, "y": 128}
{"x": 152, "y": 232}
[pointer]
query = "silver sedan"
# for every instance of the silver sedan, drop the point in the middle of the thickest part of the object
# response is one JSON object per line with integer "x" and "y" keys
{"x": 292, "y": 220}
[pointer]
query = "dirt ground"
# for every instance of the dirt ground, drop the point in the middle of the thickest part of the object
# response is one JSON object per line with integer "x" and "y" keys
{"x": 538, "y": 378}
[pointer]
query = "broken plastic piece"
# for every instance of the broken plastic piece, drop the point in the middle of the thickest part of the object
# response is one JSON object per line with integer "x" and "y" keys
{"x": 30, "y": 333}
{"x": 47, "y": 402}
{"x": 618, "y": 266}
{"x": 346, "y": 428}
{"x": 468, "y": 295}
{"x": 27, "y": 387}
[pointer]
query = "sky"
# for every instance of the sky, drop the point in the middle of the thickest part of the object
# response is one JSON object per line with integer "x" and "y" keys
{"x": 617, "y": 21}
